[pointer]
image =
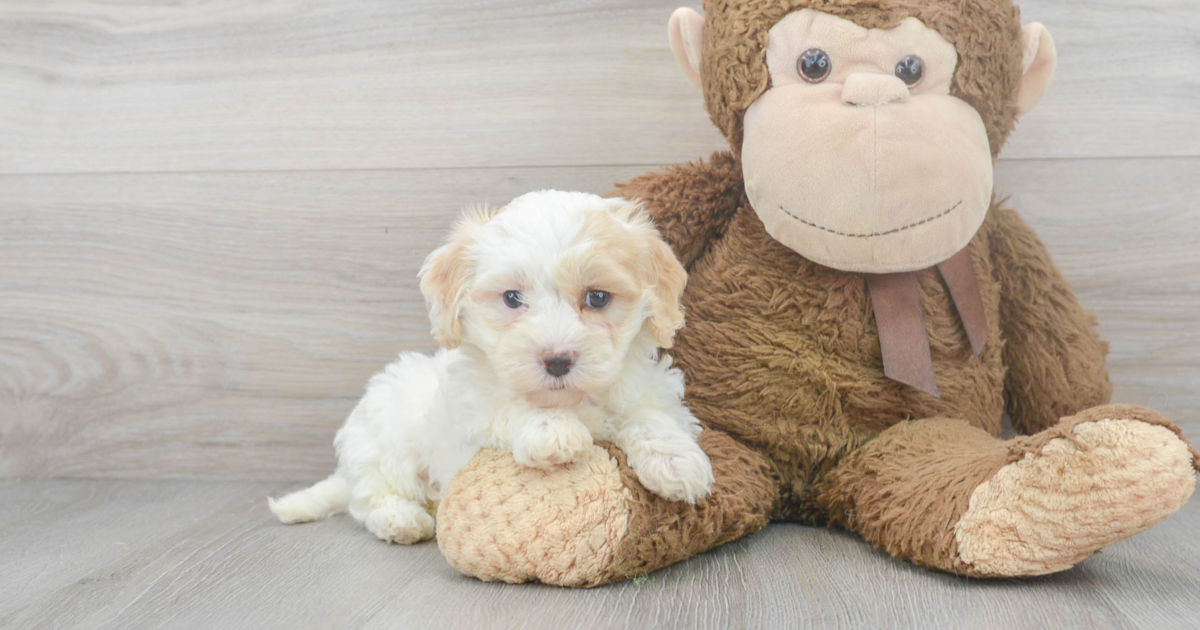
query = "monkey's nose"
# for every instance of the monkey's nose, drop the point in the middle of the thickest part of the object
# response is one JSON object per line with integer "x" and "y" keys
{"x": 871, "y": 88}
{"x": 558, "y": 364}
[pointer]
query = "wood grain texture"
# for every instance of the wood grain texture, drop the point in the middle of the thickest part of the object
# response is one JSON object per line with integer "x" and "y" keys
{"x": 143, "y": 86}
{"x": 58, "y": 534}
{"x": 123, "y": 555}
{"x": 221, "y": 326}
{"x": 1125, "y": 234}
{"x": 217, "y": 325}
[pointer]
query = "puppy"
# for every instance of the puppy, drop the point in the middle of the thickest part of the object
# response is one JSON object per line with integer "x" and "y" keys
{"x": 550, "y": 313}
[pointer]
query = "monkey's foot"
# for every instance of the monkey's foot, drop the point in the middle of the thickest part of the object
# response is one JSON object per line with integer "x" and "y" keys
{"x": 1098, "y": 477}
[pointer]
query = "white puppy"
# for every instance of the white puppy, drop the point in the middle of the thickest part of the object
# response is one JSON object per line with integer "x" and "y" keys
{"x": 551, "y": 312}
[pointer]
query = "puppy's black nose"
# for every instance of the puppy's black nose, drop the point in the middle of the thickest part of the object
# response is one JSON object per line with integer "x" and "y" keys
{"x": 558, "y": 364}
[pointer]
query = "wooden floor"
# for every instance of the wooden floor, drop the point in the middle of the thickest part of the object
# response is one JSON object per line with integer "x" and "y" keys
{"x": 212, "y": 214}
{"x": 170, "y": 554}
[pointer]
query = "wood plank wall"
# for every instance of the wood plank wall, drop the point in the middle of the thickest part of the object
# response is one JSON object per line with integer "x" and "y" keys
{"x": 212, "y": 213}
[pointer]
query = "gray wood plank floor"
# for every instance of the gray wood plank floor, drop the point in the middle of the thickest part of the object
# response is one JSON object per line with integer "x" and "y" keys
{"x": 129, "y": 554}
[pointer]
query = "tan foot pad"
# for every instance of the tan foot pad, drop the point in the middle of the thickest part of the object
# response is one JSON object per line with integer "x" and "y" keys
{"x": 1048, "y": 511}
{"x": 515, "y": 524}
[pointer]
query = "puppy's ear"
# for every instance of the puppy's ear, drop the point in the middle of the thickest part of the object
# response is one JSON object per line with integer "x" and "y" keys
{"x": 668, "y": 277}
{"x": 444, "y": 278}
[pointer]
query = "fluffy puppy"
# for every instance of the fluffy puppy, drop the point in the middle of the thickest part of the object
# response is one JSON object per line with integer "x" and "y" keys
{"x": 550, "y": 313}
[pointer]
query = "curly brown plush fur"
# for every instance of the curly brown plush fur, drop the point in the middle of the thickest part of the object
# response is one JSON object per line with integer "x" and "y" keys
{"x": 783, "y": 353}
{"x": 784, "y": 369}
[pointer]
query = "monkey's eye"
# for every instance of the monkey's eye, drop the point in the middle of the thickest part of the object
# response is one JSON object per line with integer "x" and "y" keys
{"x": 597, "y": 299}
{"x": 910, "y": 69}
{"x": 512, "y": 299}
{"x": 814, "y": 65}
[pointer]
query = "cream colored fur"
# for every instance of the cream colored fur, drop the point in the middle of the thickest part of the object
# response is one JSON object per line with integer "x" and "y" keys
{"x": 830, "y": 166}
{"x": 814, "y": 168}
{"x": 1039, "y": 57}
{"x": 1048, "y": 511}
{"x": 685, "y": 31}
{"x": 423, "y": 418}
{"x": 574, "y": 542}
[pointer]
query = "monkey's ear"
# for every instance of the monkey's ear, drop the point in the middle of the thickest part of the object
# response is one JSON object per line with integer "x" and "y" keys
{"x": 686, "y": 32}
{"x": 1038, "y": 63}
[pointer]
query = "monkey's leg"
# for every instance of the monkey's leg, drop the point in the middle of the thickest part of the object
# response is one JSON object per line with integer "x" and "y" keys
{"x": 590, "y": 522}
{"x": 948, "y": 496}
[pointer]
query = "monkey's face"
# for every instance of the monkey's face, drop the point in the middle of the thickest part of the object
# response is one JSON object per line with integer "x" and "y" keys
{"x": 857, "y": 157}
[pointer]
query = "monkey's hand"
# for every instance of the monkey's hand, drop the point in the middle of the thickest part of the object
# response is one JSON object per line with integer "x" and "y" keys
{"x": 591, "y": 522}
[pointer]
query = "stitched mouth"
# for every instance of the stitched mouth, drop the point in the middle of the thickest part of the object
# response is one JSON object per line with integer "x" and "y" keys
{"x": 874, "y": 234}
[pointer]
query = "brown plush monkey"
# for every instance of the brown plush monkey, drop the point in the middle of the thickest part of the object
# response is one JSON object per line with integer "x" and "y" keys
{"x": 860, "y": 315}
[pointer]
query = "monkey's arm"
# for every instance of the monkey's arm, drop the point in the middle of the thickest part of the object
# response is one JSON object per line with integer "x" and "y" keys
{"x": 691, "y": 203}
{"x": 591, "y": 521}
{"x": 1054, "y": 356}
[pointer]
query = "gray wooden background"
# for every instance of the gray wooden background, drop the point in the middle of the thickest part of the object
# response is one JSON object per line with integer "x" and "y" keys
{"x": 212, "y": 213}
{"x": 211, "y": 218}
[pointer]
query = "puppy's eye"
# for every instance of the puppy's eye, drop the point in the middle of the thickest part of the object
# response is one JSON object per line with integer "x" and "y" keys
{"x": 597, "y": 299}
{"x": 512, "y": 299}
{"x": 910, "y": 70}
{"x": 814, "y": 65}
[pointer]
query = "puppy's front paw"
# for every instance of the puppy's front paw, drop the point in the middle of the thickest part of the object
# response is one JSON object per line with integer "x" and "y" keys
{"x": 673, "y": 469}
{"x": 551, "y": 439}
{"x": 402, "y": 522}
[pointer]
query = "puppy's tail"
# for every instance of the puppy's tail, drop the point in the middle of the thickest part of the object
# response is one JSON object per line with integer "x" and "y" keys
{"x": 324, "y": 498}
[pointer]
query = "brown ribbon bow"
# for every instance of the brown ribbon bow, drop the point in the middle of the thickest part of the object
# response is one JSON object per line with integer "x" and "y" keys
{"x": 902, "y": 336}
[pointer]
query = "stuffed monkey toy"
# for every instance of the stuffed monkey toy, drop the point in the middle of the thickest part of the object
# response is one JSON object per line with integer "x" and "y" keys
{"x": 861, "y": 312}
